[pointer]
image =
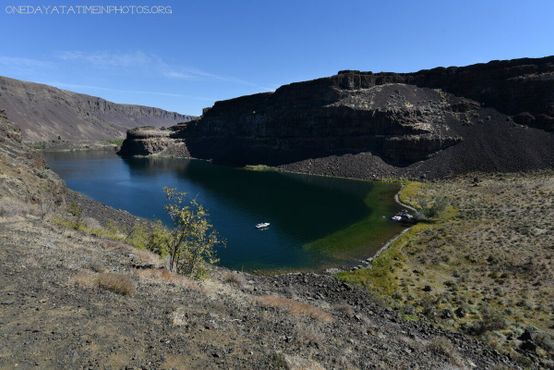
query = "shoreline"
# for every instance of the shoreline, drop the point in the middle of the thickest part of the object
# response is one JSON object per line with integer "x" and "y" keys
{"x": 368, "y": 262}
{"x": 101, "y": 211}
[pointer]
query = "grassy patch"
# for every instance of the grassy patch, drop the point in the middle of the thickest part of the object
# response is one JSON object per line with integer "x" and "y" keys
{"x": 111, "y": 233}
{"x": 381, "y": 278}
{"x": 39, "y": 145}
{"x": 116, "y": 283}
{"x": 295, "y": 308}
{"x": 411, "y": 193}
{"x": 116, "y": 142}
{"x": 259, "y": 167}
{"x": 480, "y": 261}
{"x": 141, "y": 236}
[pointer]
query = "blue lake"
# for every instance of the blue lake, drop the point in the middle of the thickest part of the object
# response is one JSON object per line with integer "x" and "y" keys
{"x": 316, "y": 222}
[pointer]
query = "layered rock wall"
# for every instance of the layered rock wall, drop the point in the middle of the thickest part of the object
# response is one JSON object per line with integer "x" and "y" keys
{"x": 402, "y": 118}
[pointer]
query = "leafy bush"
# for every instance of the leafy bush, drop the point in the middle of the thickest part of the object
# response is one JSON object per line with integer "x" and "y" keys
{"x": 139, "y": 236}
{"x": 193, "y": 239}
{"x": 190, "y": 244}
{"x": 159, "y": 240}
{"x": 430, "y": 209}
{"x": 491, "y": 321}
{"x": 77, "y": 212}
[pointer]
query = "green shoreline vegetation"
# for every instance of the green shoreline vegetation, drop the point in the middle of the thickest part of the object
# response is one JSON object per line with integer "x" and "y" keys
{"x": 480, "y": 266}
{"x": 357, "y": 236}
{"x": 360, "y": 235}
{"x": 380, "y": 278}
{"x": 117, "y": 142}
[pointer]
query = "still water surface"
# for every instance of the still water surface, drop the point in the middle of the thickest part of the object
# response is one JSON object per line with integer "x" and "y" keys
{"x": 316, "y": 222}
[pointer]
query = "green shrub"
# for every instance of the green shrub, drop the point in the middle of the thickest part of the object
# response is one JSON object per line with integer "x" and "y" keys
{"x": 430, "y": 209}
{"x": 77, "y": 212}
{"x": 193, "y": 238}
{"x": 139, "y": 236}
{"x": 159, "y": 240}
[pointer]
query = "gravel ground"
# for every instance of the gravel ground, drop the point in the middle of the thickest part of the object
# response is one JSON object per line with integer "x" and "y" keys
{"x": 56, "y": 314}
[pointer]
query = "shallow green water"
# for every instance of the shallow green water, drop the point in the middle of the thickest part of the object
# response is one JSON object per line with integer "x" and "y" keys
{"x": 316, "y": 222}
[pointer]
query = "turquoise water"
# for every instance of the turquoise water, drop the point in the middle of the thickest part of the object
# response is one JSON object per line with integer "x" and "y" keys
{"x": 316, "y": 222}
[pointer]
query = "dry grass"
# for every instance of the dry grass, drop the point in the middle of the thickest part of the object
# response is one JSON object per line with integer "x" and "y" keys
{"x": 308, "y": 334}
{"x": 235, "y": 279}
{"x": 84, "y": 280}
{"x": 116, "y": 283}
{"x": 442, "y": 347}
{"x": 10, "y": 207}
{"x": 164, "y": 276}
{"x": 294, "y": 307}
{"x": 147, "y": 257}
{"x": 284, "y": 361}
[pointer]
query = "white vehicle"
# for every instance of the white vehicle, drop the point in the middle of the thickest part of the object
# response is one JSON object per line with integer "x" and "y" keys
{"x": 262, "y": 225}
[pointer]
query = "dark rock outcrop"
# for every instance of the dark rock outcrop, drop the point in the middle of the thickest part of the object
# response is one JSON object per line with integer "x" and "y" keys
{"x": 46, "y": 113}
{"x": 148, "y": 140}
{"x": 489, "y": 117}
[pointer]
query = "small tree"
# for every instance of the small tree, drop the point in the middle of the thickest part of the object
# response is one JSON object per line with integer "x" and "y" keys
{"x": 193, "y": 239}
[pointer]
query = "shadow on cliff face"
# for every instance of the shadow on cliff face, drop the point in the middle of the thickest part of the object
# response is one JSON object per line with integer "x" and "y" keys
{"x": 358, "y": 122}
{"x": 440, "y": 122}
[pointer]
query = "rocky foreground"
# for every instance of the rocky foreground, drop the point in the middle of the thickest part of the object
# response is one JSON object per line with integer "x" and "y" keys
{"x": 434, "y": 123}
{"x": 74, "y": 300}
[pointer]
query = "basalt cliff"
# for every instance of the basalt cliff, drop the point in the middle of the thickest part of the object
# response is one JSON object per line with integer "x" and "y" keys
{"x": 497, "y": 116}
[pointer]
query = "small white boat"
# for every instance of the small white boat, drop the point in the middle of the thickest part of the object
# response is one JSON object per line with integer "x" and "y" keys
{"x": 262, "y": 225}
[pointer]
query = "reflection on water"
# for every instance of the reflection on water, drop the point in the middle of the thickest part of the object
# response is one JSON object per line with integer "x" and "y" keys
{"x": 308, "y": 214}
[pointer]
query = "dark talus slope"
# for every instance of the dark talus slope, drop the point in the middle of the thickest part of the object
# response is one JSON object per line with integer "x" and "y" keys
{"x": 45, "y": 113}
{"x": 521, "y": 88}
{"x": 360, "y": 124}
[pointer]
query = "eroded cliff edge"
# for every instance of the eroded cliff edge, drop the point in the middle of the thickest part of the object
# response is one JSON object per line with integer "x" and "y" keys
{"x": 486, "y": 117}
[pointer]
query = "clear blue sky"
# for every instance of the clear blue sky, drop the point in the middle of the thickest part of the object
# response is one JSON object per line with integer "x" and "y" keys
{"x": 212, "y": 50}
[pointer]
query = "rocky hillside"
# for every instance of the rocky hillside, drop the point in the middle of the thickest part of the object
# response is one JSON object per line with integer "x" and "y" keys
{"x": 71, "y": 299}
{"x": 25, "y": 183}
{"x": 488, "y": 117}
{"x": 45, "y": 113}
